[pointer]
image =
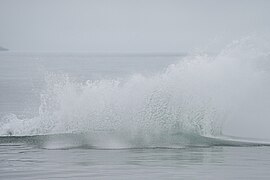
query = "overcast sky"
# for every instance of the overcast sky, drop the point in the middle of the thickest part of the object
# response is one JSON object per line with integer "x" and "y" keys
{"x": 127, "y": 25}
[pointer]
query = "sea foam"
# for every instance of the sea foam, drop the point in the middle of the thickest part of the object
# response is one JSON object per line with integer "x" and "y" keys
{"x": 194, "y": 96}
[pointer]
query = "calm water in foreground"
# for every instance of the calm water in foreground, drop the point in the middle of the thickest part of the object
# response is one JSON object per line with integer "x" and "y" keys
{"x": 19, "y": 161}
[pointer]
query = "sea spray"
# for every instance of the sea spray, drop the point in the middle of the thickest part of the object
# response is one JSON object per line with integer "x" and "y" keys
{"x": 195, "y": 96}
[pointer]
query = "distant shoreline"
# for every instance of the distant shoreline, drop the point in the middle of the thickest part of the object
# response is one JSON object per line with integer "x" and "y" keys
{"x": 3, "y": 49}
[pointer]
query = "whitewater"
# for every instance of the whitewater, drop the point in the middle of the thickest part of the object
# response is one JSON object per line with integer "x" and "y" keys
{"x": 185, "y": 104}
{"x": 85, "y": 116}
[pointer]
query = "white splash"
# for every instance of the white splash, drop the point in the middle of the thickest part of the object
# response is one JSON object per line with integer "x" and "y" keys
{"x": 193, "y": 96}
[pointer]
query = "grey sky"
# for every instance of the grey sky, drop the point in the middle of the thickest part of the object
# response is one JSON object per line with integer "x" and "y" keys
{"x": 127, "y": 25}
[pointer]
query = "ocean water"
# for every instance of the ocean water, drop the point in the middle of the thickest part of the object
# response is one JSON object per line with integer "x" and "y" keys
{"x": 85, "y": 116}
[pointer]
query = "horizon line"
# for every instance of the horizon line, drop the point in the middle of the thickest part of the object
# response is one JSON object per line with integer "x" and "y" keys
{"x": 100, "y": 53}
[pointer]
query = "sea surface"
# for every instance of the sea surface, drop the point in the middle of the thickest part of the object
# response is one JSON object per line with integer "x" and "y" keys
{"x": 85, "y": 116}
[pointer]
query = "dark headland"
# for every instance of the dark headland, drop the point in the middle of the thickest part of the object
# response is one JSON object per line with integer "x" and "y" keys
{"x": 3, "y": 49}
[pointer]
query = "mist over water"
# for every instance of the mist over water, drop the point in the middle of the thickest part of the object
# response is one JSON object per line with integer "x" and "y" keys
{"x": 200, "y": 95}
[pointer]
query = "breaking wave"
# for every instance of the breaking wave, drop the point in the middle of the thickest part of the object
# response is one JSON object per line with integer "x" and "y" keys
{"x": 193, "y": 98}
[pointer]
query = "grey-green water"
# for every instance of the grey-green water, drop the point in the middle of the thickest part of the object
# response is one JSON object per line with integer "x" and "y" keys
{"x": 19, "y": 161}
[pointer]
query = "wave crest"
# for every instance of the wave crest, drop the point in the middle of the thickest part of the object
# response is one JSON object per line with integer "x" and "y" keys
{"x": 194, "y": 96}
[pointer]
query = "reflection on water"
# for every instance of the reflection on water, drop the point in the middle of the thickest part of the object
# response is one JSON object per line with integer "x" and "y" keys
{"x": 26, "y": 162}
